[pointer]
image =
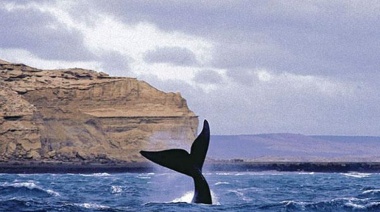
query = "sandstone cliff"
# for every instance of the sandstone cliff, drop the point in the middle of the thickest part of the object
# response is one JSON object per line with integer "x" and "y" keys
{"x": 80, "y": 115}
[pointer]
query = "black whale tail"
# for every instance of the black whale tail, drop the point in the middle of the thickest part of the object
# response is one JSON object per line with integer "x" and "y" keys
{"x": 188, "y": 164}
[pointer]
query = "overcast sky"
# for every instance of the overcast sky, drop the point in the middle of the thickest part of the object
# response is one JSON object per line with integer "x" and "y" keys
{"x": 309, "y": 67}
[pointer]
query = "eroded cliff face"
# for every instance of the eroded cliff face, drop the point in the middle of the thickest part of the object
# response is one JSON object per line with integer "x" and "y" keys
{"x": 79, "y": 115}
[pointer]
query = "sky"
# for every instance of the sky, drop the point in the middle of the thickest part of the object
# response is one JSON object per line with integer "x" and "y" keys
{"x": 247, "y": 66}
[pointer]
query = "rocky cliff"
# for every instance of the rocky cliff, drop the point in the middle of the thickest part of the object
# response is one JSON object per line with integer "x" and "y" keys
{"x": 78, "y": 115}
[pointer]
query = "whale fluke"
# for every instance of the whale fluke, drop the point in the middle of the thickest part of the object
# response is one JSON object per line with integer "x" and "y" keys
{"x": 189, "y": 164}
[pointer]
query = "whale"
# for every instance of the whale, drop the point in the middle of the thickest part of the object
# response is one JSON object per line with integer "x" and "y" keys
{"x": 189, "y": 164}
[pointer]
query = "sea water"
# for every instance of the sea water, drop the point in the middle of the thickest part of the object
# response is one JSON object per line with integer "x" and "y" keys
{"x": 231, "y": 191}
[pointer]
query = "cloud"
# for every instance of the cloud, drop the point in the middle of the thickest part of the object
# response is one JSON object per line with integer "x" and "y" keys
{"x": 208, "y": 77}
{"x": 174, "y": 55}
{"x": 28, "y": 58}
{"x": 115, "y": 63}
{"x": 330, "y": 38}
{"x": 41, "y": 34}
{"x": 241, "y": 76}
{"x": 288, "y": 103}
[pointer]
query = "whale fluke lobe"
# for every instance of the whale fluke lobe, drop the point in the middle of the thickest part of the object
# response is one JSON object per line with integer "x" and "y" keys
{"x": 200, "y": 146}
{"x": 189, "y": 164}
{"x": 175, "y": 159}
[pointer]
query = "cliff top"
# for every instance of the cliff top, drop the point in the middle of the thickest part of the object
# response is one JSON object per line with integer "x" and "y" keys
{"x": 22, "y": 79}
{"x": 32, "y": 78}
{"x": 4, "y": 62}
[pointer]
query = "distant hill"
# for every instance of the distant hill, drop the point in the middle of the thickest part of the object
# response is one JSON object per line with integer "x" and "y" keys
{"x": 295, "y": 147}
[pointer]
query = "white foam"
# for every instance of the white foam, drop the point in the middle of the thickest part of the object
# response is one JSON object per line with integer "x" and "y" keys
{"x": 371, "y": 191}
{"x": 145, "y": 176}
{"x": 148, "y": 175}
{"x": 240, "y": 194}
{"x": 215, "y": 198}
{"x": 237, "y": 173}
{"x": 92, "y": 206}
{"x": 373, "y": 204}
{"x": 188, "y": 197}
{"x": 222, "y": 183}
{"x": 306, "y": 173}
{"x": 116, "y": 189}
{"x": 96, "y": 175}
{"x": 357, "y": 175}
{"x": 350, "y": 199}
{"x": 53, "y": 193}
{"x": 366, "y": 206}
{"x": 31, "y": 185}
{"x": 355, "y": 206}
{"x": 290, "y": 202}
{"x": 225, "y": 173}
{"x": 250, "y": 173}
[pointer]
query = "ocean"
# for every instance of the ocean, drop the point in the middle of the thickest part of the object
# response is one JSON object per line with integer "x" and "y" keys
{"x": 170, "y": 191}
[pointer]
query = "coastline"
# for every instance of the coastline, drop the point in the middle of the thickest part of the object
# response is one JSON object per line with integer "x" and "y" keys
{"x": 289, "y": 166}
{"x": 223, "y": 166}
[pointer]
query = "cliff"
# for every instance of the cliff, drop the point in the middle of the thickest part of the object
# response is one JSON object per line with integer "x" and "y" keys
{"x": 78, "y": 115}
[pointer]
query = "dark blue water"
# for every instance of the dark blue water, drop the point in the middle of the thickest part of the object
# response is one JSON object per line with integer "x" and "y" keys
{"x": 232, "y": 191}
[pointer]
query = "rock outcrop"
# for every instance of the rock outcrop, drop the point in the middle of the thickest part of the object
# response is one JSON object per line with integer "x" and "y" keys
{"x": 78, "y": 115}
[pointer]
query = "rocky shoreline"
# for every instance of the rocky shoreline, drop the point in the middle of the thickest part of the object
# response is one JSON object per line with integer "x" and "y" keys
{"x": 69, "y": 167}
{"x": 219, "y": 166}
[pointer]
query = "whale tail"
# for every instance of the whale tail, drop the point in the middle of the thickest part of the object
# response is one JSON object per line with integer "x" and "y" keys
{"x": 189, "y": 164}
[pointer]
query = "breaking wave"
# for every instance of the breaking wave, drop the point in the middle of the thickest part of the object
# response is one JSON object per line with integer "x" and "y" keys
{"x": 26, "y": 188}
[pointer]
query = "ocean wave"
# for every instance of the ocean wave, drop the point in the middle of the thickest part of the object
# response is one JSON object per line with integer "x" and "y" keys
{"x": 240, "y": 194}
{"x": 23, "y": 175}
{"x": 26, "y": 188}
{"x": 235, "y": 173}
{"x": 357, "y": 174}
{"x": 344, "y": 203}
{"x": 116, "y": 189}
{"x": 222, "y": 183}
{"x": 188, "y": 197}
{"x": 224, "y": 173}
{"x": 306, "y": 173}
{"x": 150, "y": 173}
{"x": 368, "y": 206}
{"x": 53, "y": 193}
{"x": 90, "y": 206}
{"x": 349, "y": 199}
{"x": 292, "y": 203}
{"x": 13, "y": 203}
{"x": 354, "y": 205}
{"x": 169, "y": 206}
{"x": 373, "y": 205}
{"x": 96, "y": 175}
{"x": 249, "y": 173}
{"x": 145, "y": 176}
{"x": 285, "y": 204}
{"x": 328, "y": 205}
{"x": 29, "y": 184}
{"x": 371, "y": 191}
{"x": 338, "y": 204}
{"x": 164, "y": 174}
